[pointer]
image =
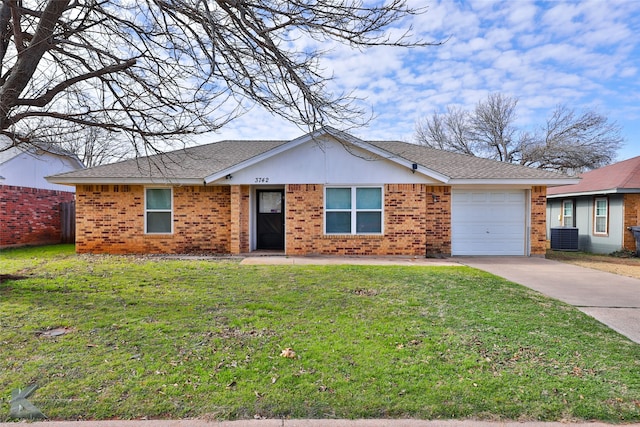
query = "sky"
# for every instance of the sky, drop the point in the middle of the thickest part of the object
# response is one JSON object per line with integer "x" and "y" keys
{"x": 584, "y": 54}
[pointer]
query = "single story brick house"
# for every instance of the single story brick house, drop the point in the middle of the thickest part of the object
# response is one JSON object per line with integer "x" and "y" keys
{"x": 326, "y": 192}
{"x": 602, "y": 206}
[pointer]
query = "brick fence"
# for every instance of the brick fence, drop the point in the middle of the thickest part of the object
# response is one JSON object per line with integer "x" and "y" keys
{"x": 30, "y": 216}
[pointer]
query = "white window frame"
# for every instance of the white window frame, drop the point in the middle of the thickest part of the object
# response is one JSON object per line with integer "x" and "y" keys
{"x": 354, "y": 210}
{"x": 605, "y": 216}
{"x": 146, "y": 211}
{"x": 572, "y": 216}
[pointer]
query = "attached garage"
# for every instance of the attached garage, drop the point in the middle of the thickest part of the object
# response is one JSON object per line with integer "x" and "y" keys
{"x": 489, "y": 222}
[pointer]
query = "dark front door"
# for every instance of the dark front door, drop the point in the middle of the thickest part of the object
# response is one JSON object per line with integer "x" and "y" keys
{"x": 270, "y": 223}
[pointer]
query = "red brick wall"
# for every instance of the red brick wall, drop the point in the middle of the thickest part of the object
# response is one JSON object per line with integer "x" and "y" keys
{"x": 538, "y": 220}
{"x": 631, "y": 205}
{"x": 110, "y": 219}
{"x": 30, "y": 216}
{"x": 411, "y": 219}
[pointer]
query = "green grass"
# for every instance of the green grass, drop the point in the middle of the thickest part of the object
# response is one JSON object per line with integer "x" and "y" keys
{"x": 172, "y": 339}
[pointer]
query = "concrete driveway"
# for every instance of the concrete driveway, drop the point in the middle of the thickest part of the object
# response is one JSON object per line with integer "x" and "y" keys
{"x": 610, "y": 298}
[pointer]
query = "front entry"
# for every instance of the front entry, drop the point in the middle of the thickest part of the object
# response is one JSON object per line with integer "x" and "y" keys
{"x": 270, "y": 219}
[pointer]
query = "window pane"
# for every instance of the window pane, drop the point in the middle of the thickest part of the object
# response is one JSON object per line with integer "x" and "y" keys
{"x": 568, "y": 221}
{"x": 339, "y": 222}
{"x": 338, "y": 198}
{"x": 368, "y": 198}
{"x": 601, "y": 225}
{"x": 601, "y": 207}
{"x": 368, "y": 222}
{"x": 159, "y": 198}
{"x": 568, "y": 209}
{"x": 158, "y": 222}
{"x": 270, "y": 202}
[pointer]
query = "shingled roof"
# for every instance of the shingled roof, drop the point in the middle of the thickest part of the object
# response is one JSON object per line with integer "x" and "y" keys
{"x": 621, "y": 177}
{"x": 194, "y": 165}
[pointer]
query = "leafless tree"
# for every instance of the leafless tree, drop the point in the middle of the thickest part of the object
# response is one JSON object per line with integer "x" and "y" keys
{"x": 492, "y": 128}
{"x": 568, "y": 142}
{"x": 160, "y": 70}
{"x": 450, "y": 131}
{"x": 571, "y": 142}
{"x": 92, "y": 145}
{"x": 95, "y": 146}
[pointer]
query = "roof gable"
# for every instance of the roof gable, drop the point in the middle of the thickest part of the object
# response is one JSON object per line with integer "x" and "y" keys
{"x": 9, "y": 152}
{"x": 325, "y": 136}
{"x": 623, "y": 176}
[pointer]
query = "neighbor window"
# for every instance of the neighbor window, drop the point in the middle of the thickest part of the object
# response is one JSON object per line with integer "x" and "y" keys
{"x": 601, "y": 216}
{"x": 158, "y": 210}
{"x": 567, "y": 213}
{"x": 353, "y": 210}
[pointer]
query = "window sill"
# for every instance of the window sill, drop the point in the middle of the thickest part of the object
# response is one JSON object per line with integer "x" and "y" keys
{"x": 353, "y": 236}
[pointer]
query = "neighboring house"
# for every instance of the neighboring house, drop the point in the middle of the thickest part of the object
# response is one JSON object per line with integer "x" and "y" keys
{"x": 326, "y": 192}
{"x": 29, "y": 204}
{"x": 603, "y": 205}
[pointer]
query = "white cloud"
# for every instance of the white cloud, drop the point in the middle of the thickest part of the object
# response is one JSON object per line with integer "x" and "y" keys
{"x": 582, "y": 54}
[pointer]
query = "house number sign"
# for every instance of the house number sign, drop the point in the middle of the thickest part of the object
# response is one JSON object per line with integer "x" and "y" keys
{"x": 262, "y": 180}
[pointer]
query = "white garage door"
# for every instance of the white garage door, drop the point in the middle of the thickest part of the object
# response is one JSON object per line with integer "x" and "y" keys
{"x": 488, "y": 222}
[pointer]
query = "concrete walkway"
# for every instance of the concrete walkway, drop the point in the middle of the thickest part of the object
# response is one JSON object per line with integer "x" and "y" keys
{"x": 346, "y": 260}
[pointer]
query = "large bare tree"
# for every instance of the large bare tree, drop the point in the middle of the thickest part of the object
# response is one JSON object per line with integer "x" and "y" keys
{"x": 572, "y": 142}
{"x": 567, "y": 142}
{"x": 159, "y": 69}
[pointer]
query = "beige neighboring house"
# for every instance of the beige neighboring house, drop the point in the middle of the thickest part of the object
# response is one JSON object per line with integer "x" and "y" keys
{"x": 326, "y": 192}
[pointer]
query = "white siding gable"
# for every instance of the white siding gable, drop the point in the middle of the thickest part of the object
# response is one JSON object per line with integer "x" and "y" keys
{"x": 29, "y": 170}
{"x": 325, "y": 161}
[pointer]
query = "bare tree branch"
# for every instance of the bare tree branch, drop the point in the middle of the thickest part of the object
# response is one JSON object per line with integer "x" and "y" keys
{"x": 567, "y": 142}
{"x": 160, "y": 69}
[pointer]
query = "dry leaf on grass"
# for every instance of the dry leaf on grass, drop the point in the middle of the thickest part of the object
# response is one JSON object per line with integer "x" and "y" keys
{"x": 288, "y": 353}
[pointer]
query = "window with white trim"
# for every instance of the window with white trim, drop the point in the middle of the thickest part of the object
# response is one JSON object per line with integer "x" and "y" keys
{"x": 601, "y": 211}
{"x": 158, "y": 211}
{"x": 567, "y": 213}
{"x": 353, "y": 210}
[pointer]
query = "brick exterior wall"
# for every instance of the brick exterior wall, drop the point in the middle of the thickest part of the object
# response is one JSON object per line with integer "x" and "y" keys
{"x": 411, "y": 219}
{"x": 110, "y": 219}
{"x": 417, "y": 221}
{"x": 239, "y": 220}
{"x": 538, "y": 234}
{"x": 438, "y": 217}
{"x": 631, "y": 203}
{"x": 30, "y": 216}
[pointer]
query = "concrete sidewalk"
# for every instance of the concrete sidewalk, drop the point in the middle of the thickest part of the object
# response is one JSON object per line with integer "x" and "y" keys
{"x": 346, "y": 260}
{"x": 306, "y": 423}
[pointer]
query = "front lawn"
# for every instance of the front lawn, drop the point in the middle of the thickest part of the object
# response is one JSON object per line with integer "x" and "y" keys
{"x": 131, "y": 337}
